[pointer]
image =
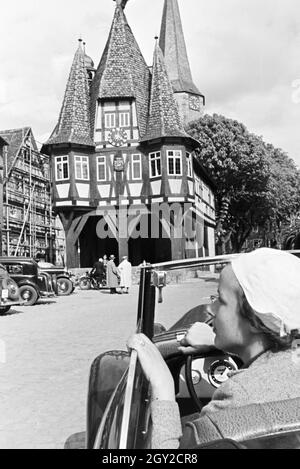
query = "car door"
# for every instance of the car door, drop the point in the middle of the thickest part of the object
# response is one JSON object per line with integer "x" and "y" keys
{"x": 126, "y": 422}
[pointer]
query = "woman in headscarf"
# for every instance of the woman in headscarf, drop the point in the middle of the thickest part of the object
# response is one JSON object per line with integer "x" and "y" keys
{"x": 256, "y": 317}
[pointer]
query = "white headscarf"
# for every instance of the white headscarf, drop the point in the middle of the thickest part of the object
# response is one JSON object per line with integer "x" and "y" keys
{"x": 270, "y": 280}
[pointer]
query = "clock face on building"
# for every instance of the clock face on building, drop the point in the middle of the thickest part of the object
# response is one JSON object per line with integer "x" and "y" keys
{"x": 195, "y": 103}
{"x": 117, "y": 137}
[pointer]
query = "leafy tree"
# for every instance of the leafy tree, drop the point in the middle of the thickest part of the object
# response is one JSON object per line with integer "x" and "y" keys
{"x": 255, "y": 182}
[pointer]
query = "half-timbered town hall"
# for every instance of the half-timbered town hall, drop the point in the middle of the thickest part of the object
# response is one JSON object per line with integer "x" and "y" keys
{"x": 121, "y": 156}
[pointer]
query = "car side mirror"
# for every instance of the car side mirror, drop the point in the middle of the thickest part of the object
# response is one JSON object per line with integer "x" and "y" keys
{"x": 159, "y": 280}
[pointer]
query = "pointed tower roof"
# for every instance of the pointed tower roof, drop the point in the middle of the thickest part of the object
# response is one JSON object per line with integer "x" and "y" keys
{"x": 74, "y": 120}
{"x": 173, "y": 45}
{"x": 122, "y": 72}
{"x": 164, "y": 119}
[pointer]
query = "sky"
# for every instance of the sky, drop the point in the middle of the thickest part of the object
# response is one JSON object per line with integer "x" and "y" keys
{"x": 244, "y": 56}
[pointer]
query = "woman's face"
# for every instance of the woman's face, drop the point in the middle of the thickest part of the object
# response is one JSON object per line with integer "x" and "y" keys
{"x": 233, "y": 331}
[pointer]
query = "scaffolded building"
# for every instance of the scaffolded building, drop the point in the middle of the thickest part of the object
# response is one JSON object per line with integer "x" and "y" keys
{"x": 27, "y": 221}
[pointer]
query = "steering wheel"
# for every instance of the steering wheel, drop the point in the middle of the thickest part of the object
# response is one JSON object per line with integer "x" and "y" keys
{"x": 188, "y": 371}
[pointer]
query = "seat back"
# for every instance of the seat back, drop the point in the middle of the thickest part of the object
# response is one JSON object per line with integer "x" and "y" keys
{"x": 245, "y": 423}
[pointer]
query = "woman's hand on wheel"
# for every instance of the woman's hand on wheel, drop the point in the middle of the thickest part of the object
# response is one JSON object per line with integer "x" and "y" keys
{"x": 154, "y": 367}
{"x": 197, "y": 339}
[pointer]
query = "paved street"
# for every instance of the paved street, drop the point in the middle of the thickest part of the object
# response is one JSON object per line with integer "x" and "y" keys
{"x": 49, "y": 349}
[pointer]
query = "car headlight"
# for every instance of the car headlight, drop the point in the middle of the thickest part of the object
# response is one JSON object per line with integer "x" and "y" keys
{"x": 13, "y": 290}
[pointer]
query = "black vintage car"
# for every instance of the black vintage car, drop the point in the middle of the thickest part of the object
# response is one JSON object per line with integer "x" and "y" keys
{"x": 119, "y": 396}
{"x": 60, "y": 275}
{"x": 9, "y": 292}
{"x": 33, "y": 284}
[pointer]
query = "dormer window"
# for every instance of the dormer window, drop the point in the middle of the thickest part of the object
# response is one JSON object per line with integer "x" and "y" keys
{"x": 124, "y": 119}
{"x": 110, "y": 120}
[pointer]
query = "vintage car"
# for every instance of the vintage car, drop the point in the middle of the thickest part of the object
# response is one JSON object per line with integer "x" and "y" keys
{"x": 33, "y": 284}
{"x": 9, "y": 292}
{"x": 118, "y": 410}
{"x": 60, "y": 275}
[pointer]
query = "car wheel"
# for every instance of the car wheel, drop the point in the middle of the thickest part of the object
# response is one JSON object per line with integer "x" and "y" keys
{"x": 4, "y": 310}
{"x": 29, "y": 295}
{"x": 64, "y": 286}
{"x": 85, "y": 284}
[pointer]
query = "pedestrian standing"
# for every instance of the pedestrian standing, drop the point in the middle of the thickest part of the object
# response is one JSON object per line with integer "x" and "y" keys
{"x": 112, "y": 275}
{"x": 125, "y": 269}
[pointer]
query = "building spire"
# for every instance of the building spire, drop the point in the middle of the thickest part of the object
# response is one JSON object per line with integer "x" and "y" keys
{"x": 172, "y": 44}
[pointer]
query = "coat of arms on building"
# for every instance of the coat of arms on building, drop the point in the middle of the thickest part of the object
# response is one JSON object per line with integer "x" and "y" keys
{"x": 117, "y": 137}
{"x": 119, "y": 164}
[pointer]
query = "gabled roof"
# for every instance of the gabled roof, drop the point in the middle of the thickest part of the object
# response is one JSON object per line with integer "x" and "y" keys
{"x": 74, "y": 120}
{"x": 15, "y": 139}
{"x": 164, "y": 119}
{"x": 122, "y": 71}
{"x": 173, "y": 46}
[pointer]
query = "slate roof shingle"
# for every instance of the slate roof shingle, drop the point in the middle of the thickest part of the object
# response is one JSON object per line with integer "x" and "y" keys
{"x": 74, "y": 120}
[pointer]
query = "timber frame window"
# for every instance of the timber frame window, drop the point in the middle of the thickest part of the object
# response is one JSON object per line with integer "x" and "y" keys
{"x": 137, "y": 167}
{"x": 62, "y": 172}
{"x": 101, "y": 169}
{"x": 110, "y": 120}
{"x": 155, "y": 164}
{"x": 82, "y": 172}
{"x": 174, "y": 163}
{"x": 124, "y": 119}
{"x": 189, "y": 164}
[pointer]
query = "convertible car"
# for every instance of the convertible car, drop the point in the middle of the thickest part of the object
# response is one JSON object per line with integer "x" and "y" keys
{"x": 177, "y": 294}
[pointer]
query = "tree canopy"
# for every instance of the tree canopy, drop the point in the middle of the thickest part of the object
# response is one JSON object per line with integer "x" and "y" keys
{"x": 256, "y": 183}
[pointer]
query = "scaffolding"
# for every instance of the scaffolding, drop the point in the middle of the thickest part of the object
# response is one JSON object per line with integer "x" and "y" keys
{"x": 28, "y": 220}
